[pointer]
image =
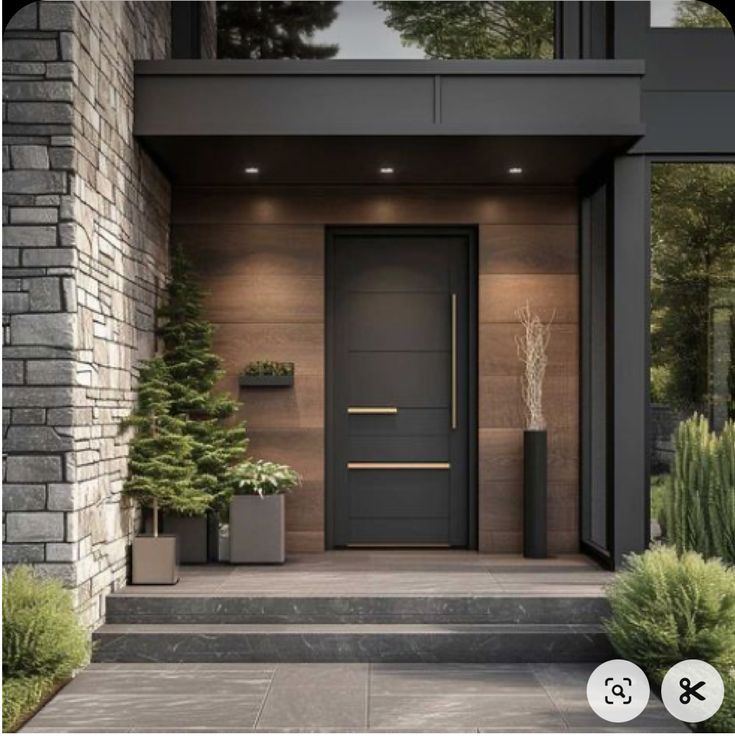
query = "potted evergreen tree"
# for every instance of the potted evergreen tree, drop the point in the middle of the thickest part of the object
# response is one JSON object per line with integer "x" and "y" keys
{"x": 532, "y": 347}
{"x": 195, "y": 370}
{"x": 162, "y": 474}
{"x": 257, "y": 512}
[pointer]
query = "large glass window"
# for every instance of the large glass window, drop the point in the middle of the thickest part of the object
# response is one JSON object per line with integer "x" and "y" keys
{"x": 359, "y": 29}
{"x": 686, "y": 14}
{"x": 692, "y": 306}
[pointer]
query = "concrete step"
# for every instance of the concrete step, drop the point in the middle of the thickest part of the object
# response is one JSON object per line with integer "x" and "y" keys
{"x": 351, "y": 643}
{"x": 125, "y": 608}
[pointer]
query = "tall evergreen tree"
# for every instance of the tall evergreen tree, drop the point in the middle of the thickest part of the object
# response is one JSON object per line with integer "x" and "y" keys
{"x": 274, "y": 30}
{"x": 162, "y": 471}
{"x": 195, "y": 369}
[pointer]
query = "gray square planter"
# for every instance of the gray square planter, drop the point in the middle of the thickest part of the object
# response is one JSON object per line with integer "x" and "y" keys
{"x": 191, "y": 532}
{"x": 155, "y": 560}
{"x": 257, "y": 529}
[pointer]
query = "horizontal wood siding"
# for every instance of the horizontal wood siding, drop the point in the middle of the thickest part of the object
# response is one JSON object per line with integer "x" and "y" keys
{"x": 260, "y": 255}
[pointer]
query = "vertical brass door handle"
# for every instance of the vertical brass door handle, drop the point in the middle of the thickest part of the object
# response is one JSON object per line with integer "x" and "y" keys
{"x": 454, "y": 360}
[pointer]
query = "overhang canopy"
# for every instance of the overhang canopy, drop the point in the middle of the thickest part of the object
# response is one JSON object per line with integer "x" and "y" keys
{"x": 340, "y": 121}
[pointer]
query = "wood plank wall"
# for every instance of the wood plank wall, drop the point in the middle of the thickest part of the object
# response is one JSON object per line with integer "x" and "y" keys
{"x": 260, "y": 254}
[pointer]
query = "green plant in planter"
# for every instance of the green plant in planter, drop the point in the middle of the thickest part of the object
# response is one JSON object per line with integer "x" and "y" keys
{"x": 269, "y": 368}
{"x": 162, "y": 471}
{"x": 264, "y": 478}
{"x": 195, "y": 369}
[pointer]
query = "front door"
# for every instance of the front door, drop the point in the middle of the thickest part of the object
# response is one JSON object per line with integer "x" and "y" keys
{"x": 398, "y": 389}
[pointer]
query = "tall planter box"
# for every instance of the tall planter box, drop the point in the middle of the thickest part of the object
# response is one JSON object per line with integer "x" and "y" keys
{"x": 155, "y": 560}
{"x": 191, "y": 533}
{"x": 535, "y": 494}
{"x": 257, "y": 529}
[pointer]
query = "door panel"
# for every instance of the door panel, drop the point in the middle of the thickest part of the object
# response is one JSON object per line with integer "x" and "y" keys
{"x": 399, "y": 315}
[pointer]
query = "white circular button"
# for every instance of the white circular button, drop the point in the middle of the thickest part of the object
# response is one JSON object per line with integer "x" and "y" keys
{"x": 692, "y": 691}
{"x": 618, "y": 691}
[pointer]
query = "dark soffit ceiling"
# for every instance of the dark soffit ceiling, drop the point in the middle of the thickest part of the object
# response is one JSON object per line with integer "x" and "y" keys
{"x": 432, "y": 160}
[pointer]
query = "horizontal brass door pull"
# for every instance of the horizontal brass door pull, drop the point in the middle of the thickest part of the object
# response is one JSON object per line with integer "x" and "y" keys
{"x": 398, "y": 465}
{"x": 370, "y": 411}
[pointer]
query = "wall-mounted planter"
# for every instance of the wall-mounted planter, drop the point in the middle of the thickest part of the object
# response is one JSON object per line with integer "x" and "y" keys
{"x": 266, "y": 380}
{"x": 534, "y": 494}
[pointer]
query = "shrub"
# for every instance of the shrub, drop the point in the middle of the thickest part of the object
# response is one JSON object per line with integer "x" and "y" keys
{"x": 668, "y": 607}
{"x": 268, "y": 367}
{"x": 21, "y": 697}
{"x": 724, "y": 720}
{"x": 264, "y": 478}
{"x": 41, "y": 634}
{"x": 700, "y": 504}
{"x": 43, "y": 643}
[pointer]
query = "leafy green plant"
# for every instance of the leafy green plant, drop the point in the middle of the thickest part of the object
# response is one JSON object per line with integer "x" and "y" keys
{"x": 162, "y": 472}
{"x": 43, "y": 642}
{"x": 194, "y": 370}
{"x": 270, "y": 368}
{"x": 668, "y": 607}
{"x": 723, "y": 722}
{"x": 265, "y": 478}
{"x": 700, "y": 505}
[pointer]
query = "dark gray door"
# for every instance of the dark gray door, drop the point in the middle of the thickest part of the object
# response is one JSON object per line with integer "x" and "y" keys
{"x": 398, "y": 386}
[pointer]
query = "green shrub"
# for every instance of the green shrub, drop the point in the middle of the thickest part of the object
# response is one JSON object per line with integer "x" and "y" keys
{"x": 21, "y": 696}
{"x": 700, "y": 504}
{"x": 264, "y": 478}
{"x": 268, "y": 367}
{"x": 668, "y": 607}
{"x": 41, "y": 634}
{"x": 724, "y": 720}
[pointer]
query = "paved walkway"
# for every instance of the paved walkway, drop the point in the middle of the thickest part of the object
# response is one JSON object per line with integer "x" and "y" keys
{"x": 332, "y": 697}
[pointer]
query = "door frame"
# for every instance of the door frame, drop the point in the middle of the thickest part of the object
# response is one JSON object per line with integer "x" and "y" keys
{"x": 471, "y": 233}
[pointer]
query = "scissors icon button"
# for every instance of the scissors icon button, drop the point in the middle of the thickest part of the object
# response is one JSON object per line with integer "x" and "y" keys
{"x": 686, "y": 685}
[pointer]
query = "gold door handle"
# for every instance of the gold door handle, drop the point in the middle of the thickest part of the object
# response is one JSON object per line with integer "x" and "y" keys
{"x": 370, "y": 411}
{"x": 398, "y": 465}
{"x": 454, "y": 360}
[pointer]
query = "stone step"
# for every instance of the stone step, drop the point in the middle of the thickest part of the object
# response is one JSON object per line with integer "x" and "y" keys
{"x": 351, "y": 643}
{"x": 207, "y": 609}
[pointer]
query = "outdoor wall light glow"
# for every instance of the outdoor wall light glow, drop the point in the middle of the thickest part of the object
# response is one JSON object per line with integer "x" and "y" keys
{"x": 515, "y": 170}
{"x": 387, "y": 170}
{"x": 251, "y": 170}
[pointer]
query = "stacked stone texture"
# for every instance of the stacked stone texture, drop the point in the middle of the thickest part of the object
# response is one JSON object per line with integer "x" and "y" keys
{"x": 85, "y": 241}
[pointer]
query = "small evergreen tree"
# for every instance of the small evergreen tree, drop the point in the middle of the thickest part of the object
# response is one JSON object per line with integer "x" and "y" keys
{"x": 162, "y": 472}
{"x": 195, "y": 370}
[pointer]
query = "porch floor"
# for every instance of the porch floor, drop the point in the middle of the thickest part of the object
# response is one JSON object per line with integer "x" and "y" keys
{"x": 393, "y": 573}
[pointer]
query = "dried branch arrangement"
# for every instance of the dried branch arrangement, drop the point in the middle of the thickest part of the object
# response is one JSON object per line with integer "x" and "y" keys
{"x": 532, "y": 345}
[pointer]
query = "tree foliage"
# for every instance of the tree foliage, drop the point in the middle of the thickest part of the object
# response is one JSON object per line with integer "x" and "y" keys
{"x": 274, "y": 30}
{"x": 475, "y": 29}
{"x": 194, "y": 370}
{"x": 162, "y": 471}
{"x": 693, "y": 285}
{"x": 698, "y": 14}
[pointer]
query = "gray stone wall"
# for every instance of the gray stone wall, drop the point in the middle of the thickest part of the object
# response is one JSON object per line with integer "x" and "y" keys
{"x": 85, "y": 241}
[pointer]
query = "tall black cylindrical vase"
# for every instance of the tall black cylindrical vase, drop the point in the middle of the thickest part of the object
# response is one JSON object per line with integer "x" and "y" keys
{"x": 534, "y": 494}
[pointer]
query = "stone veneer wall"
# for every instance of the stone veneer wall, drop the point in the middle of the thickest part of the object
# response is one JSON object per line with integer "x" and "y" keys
{"x": 86, "y": 218}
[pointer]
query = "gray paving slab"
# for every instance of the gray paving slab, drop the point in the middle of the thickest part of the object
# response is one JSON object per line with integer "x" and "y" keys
{"x": 317, "y": 697}
{"x": 333, "y": 697}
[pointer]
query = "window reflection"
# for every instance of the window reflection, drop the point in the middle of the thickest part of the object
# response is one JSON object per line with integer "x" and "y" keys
{"x": 358, "y": 29}
{"x": 692, "y": 305}
{"x": 686, "y": 14}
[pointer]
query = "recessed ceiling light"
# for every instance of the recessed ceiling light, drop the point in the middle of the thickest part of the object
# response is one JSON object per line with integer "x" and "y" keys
{"x": 387, "y": 170}
{"x": 251, "y": 170}
{"x": 515, "y": 170}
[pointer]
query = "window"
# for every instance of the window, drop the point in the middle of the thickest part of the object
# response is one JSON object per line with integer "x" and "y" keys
{"x": 359, "y": 29}
{"x": 692, "y": 304}
{"x": 686, "y": 14}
